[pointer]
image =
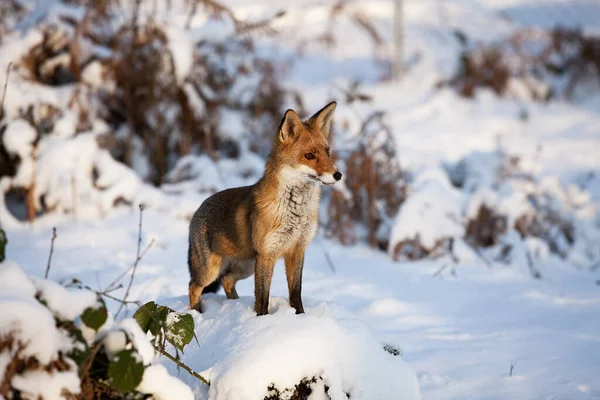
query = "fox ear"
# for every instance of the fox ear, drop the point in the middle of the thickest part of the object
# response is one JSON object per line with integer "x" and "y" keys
{"x": 290, "y": 126}
{"x": 321, "y": 121}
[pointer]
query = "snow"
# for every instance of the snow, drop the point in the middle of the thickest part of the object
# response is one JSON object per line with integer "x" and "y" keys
{"x": 460, "y": 322}
{"x": 47, "y": 385}
{"x": 28, "y": 308}
{"x": 18, "y": 141}
{"x": 431, "y": 213}
{"x": 241, "y": 355}
{"x": 38, "y": 331}
{"x": 18, "y": 138}
{"x": 156, "y": 380}
{"x": 459, "y": 334}
{"x": 65, "y": 304}
{"x": 181, "y": 47}
{"x": 120, "y": 334}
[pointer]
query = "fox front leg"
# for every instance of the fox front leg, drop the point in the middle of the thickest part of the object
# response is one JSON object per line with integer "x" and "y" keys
{"x": 262, "y": 283}
{"x": 294, "y": 263}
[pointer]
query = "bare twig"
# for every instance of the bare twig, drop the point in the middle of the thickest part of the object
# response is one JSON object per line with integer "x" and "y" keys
{"x": 118, "y": 300}
{"x": 87, "y": 363}
{"x": 135, "y": 264}
{"x": 182, "y": 365}
{"x": 440, "y": 270}
{"x": 328, "y": 258}
{"x": 4, "y": 92}
{"x": 534, "y": 271}
{"x": 3, "y": 97}
{"x": 455, "y": 259}
{"x": 119, "y": 286}
{"x": 512, "y": 366}
{"x": 74, "y": 195}
{"x": 478, "y": 253}
{"x": 111, "y": 287}
{"x": 329, "y": 261}
{"x": 51, "y": 251}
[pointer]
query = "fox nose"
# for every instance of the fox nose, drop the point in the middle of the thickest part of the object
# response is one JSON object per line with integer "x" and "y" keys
{"x": 337, "y": 175}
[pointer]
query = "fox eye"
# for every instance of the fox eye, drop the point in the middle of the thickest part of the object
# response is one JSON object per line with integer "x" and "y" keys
{"x": 309, "y": 156}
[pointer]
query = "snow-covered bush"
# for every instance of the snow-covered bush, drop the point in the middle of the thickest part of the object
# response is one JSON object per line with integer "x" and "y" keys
{"x": 325, "y": 354}
{"x": 493, "y": 201}
{"x": 203, "y": 175}
{"x": 363, "y": 205}
{"x": 104, "y": 96}
{"x": 428, "y": 219}
{"x": 533, "y": 64}
{"x": 71, "y": 173}
{"x": 512, "y": 199}
{"x": 61, "y": 343}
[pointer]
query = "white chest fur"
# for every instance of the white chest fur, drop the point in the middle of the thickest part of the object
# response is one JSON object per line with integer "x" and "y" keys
{"x": 298, "y": 202}
{"x": 297, "y": 205}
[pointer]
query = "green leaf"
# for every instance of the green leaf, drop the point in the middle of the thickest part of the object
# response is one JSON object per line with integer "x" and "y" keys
{"x": 3, "y": 242}
{"x": 144, "y": 315}
{"x": 179, "y": 329}
{"x": 152, "y": 317}
{"x": 125, "y": 371}
{"x": 95, "y": 317}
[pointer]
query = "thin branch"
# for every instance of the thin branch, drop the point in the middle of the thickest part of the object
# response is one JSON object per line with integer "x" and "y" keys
{"x": 110, "y": 287}
{"x": 135, "y": 264}
{"x": 328, "y": 258}
{"x": 512, "y": 366}
{"x": 182, "y": 365}
{"x": 329, "y": 261}
{"x": 87, "y": 363}
{"x": 480, "y": 255}
{"x": 118, "y": 300}
{"x": 4, "y": 92}
{"x": 51, "y": 251}
{"x": 440, "y": 270}
{"x": 455, "y": 259}
{"x": 3, "y": 97}
{"x": 534, "y": 271}
{"x": 119, "y": 286}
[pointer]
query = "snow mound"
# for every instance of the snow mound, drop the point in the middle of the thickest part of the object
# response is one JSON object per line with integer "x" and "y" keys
{"x": 430, "y": 214}
{"x": 242, "y": 354}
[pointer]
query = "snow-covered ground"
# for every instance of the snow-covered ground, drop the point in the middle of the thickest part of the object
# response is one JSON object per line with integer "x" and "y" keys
{"x": 460, "y": 334}
{"x": 469, "y": 331}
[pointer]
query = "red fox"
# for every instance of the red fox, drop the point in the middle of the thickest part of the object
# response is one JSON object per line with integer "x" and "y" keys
{"x": 245, "y": 230}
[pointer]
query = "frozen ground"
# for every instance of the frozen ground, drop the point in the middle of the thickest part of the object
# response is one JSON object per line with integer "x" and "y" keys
{"x": 461, "y": 333}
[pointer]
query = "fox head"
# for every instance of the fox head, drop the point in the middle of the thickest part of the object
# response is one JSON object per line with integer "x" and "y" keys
{"x": 301, "y": 148}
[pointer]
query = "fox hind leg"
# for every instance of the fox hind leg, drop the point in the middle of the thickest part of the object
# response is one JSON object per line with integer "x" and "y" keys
{"x": 236, "y": 271}
{"x": 205, "y": 267}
